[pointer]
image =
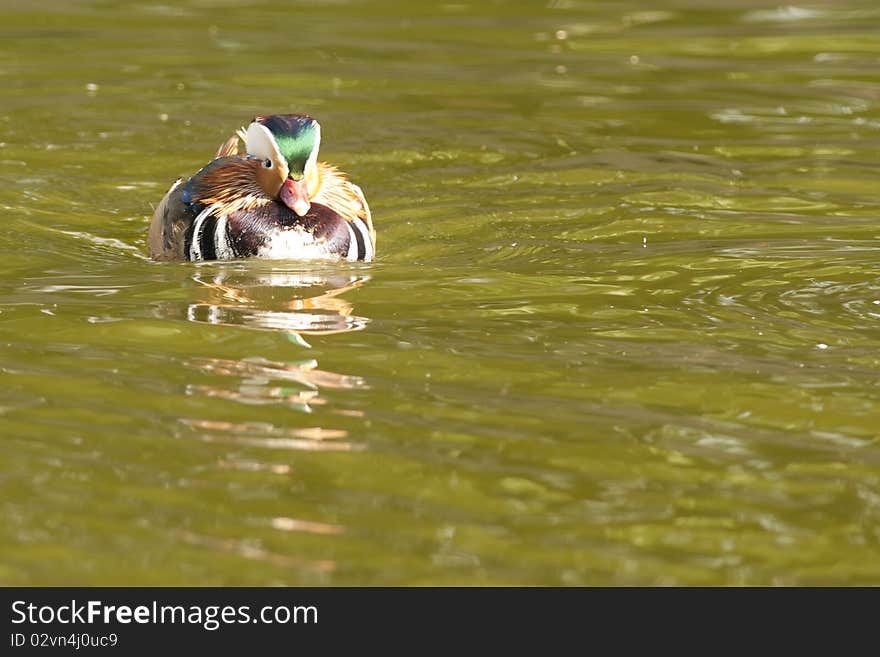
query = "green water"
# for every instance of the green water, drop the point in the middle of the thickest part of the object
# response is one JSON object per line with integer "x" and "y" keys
{"x": 624, "y": 326}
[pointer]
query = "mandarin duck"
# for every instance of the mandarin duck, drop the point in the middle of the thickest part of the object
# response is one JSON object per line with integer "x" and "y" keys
{"x": 273, "y": 201}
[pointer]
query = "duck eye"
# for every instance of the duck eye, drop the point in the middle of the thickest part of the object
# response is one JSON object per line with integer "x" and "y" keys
{"x": 267, "y": 163}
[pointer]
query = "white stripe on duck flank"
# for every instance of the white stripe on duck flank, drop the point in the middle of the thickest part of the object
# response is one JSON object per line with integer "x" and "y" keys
{"x": 352, "y": 243}
{"x": 195, "y": 248}
{"x": 361, "y": 227}
{"x": 222, "y": 247}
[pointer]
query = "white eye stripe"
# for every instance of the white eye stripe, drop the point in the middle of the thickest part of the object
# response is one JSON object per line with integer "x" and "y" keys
{"x": 260, "y": 143}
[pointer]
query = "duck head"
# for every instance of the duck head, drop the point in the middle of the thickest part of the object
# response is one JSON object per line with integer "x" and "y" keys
{"x": 287, "y": 146}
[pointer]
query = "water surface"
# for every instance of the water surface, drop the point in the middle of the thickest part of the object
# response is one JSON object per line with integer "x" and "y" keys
{"x": 623, "y": 326}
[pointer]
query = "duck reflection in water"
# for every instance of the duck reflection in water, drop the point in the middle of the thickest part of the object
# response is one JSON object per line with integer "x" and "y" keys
{"x": 303, "y": 302}
{"x": 263, "y": 297}
{"x": 295, "y": 302}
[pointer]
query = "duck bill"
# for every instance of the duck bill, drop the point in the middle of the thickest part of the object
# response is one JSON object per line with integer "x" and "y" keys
{"x": 295, "y": 195}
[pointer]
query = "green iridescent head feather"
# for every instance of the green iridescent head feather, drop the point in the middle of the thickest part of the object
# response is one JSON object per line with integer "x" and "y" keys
{"x": 298, "y": 137}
